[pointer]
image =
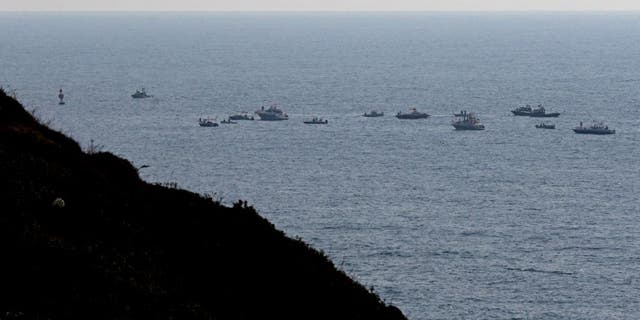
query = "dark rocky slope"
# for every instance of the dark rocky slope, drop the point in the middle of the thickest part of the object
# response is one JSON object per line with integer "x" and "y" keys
{"x": 115, "y": 247}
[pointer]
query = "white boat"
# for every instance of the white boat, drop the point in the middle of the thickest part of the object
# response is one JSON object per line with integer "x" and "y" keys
{"x": 273, "y": 113}
{"x": 228, "y": 121}
{"x": 467, "y": 121}
{"x": 594, "y": 128}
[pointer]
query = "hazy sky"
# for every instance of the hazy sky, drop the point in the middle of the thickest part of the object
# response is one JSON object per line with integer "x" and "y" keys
{"x": 315, "y": 5}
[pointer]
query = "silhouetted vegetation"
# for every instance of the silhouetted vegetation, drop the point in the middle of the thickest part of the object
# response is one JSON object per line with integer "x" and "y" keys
{"x": 83, "y": 237}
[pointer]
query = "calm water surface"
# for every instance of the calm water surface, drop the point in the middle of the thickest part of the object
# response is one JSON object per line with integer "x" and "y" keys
{"x": 509, "y": 223}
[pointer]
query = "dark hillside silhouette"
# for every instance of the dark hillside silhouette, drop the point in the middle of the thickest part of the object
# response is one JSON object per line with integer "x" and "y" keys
{"x": 83, "y": 237}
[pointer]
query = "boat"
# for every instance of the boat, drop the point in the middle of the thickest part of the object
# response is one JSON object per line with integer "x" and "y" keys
{"x": 412, "y": 114}
{"x": 316, "y": 121}
{"x": 543, "y": 125}
{"x": 522, "y": 111}
{"x": 241, "y": 116}
{"x": 467, "y": 121}
{"x": 228, "y": 121}
{"x": 273, "y": 113}
{"x": 594, "y": 128}
{"x": 207, "y": 122}
{"x": 140, "y": 94}
{"x": 61, "y": 97}
{"x": 373, "y": 114}
{"x": 539, "y": 112}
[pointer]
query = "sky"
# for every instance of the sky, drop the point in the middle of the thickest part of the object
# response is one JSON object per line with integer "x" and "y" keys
{"x": 319, "y": 5}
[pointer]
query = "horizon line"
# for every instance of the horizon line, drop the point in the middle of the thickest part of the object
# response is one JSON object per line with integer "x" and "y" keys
{"x": 331, "y": 11}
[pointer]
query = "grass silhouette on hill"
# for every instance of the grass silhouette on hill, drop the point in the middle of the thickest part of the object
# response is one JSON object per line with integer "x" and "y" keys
{"x": 83, "y": 237}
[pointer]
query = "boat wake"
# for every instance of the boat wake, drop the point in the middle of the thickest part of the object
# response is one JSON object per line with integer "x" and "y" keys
{"x": 565, "y": 273}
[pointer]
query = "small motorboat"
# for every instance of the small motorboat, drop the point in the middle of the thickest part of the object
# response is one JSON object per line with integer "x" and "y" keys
{"x": 412, "y": 114}
{"x": 140, "y": 94}
{"x": 543, "y": 125}
{"x": 540, "y": 112}
{"x": 207, "y": 122}
{"x": 228, "y": 121}
{"x": 373, "y": 114}
{"x": 594, "y": 128}
{"x": 316, "y": 121}
{"x": 467, "y": 121}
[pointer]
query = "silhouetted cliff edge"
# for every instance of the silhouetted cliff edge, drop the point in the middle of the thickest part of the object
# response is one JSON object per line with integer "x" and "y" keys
{"x": 82, "y": 237}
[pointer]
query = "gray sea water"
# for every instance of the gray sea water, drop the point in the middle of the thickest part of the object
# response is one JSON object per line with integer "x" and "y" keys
{"x": 509, "y": 223}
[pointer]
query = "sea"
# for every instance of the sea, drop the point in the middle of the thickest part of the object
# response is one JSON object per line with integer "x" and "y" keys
{"x": 512, "y": 222}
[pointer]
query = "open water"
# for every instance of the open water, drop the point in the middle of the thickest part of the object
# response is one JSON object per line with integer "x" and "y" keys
{"x": 509, "y": 223}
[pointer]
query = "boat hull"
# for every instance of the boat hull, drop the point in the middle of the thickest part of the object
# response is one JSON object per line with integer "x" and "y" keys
{"x": 592, "y": 131}
{"x": 468, "y": 127}
{"x": 544, "y": 115}
{"x": 316, "y": 122}
{"x": 412, "y": 116}
{"x": 273, "y": 118}
{"x": 240, "y": 117}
